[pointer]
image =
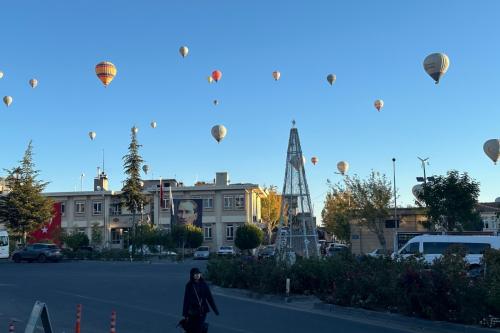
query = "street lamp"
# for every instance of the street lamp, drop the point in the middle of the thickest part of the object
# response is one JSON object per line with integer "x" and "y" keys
{"x": 395, "y": 206}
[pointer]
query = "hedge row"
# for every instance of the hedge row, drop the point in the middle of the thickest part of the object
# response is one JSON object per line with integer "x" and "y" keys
{"x": 443, "y": 291}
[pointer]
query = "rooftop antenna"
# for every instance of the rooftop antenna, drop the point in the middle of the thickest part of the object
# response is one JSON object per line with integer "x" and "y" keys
{"x": 103, "y": 160}
{"x": 424, "y": 161}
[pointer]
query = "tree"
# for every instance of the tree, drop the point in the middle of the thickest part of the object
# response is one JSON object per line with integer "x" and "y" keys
{"x": 337, "y": 213}
{"x": 96, "y": 234}
{"x": 451, "y": 202}
{"x": 76, "y": 240}
{"x": 132, "y": 189}
{"x": 188, "y": 235}
{"x": 370, "y": 202}
{"x": 24, "y": 209}
{"x": 270, "y": 210}
{"x": 248, "y": 237}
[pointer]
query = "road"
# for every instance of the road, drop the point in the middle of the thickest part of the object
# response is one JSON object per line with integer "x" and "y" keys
{"x": 147, "y": 299}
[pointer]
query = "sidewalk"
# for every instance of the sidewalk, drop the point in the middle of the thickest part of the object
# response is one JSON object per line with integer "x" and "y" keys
{"x": 312, "y": 304}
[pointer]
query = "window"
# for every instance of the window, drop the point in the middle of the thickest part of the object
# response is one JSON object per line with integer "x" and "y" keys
{"x": 229, "y": 232}
{"x": 239, "y": 201}
{"x": 207, "y": 233}
{"x": 116, "y": 236}
{"x": 97, "y": 205}
{"x": 80, "y": 207}
{"x": 411, "y": 248}
{"x": 435, "y": 247}
{"x": 477, "y": 248}
{"x": 115, "y": 209}
{"x": 208, "y": 203}
{"x": 63, "y": 208}
{"x": 228, "y": 201}
{"x": 4, "y": 240}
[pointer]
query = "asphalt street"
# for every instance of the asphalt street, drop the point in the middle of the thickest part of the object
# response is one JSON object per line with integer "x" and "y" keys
{"x": 148, "y": 299}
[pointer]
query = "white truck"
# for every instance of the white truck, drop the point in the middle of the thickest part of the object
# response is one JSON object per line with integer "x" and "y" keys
{"x": 4, "y": 244}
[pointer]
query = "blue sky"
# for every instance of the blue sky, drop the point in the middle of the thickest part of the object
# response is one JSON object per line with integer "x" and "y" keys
{"x": 375, "y": 48}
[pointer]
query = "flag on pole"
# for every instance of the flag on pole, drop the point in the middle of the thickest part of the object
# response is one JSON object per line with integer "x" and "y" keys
{"x": 171, "y": 199}
{"x": 161, "y": 194}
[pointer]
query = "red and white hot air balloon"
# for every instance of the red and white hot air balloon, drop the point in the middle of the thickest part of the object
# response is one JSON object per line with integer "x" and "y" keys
{"x": 379, "y": 104}
{"x": 276, "y": 75}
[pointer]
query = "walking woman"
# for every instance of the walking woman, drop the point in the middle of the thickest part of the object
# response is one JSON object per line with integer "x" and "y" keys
{"x": 197, "y": 297}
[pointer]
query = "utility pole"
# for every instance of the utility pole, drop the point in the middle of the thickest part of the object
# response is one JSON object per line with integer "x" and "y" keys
{"x": 395, "y": 206}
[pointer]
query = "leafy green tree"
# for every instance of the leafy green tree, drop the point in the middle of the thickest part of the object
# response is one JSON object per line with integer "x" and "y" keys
{"x": 132, "y": 194}
{"x": 189, "y": 236}
{"x": 96, "y": 234}
{"x": 24, "y": 209}
{"x": 248, "y": 237}
{"x": 337, "y": 213}
{"x": 76, "y": 240}
{"x": 270, "y": 210}
{"x": 370, "y": 200}
{"x": 451, "y": 202}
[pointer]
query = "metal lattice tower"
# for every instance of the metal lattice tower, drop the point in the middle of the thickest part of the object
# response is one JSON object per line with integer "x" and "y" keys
{"x": 297, "y": 229}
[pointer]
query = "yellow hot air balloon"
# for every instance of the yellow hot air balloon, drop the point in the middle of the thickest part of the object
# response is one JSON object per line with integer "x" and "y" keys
{"x": 379, "y": 104}
{"x": 184, "y": 51}
{"x": 492, "y": 149}
{"x": 33, "y": 83}
{"x": 7, "y": 100}
{"x": 1, "y": 74}
{"x": 343, "y": 167}
{"x": 436, "y": 65}
{"x": 106, "y": 72}
{"x": 153, "y": 124}
{"x": 92, "y": 135}
{"x": 331, "y": 78}
{"x": 210, "y": 79}
{"x": 276, "y": 75}
{"x": 219, "y": 132}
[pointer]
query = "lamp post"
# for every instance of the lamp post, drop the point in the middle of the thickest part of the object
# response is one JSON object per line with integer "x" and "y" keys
{"x": 395, "y": 206}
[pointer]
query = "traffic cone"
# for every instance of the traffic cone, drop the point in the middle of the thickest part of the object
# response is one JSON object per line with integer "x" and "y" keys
{"x": 113, "y": 322}
{"x": 78, "y": 318}
{"x": 11, "y": 327}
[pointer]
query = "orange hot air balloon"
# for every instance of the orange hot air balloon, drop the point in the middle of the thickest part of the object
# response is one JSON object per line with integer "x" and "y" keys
{"x": 106, "y": 72}
{"x": 314, "y": 160}
{"x": 216, "y": 75}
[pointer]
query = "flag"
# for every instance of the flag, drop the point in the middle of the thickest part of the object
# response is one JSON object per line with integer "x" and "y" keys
{"x": 171, "y": 200}
{"x": 161, "y": 194}
{"x": 50, "y": 230}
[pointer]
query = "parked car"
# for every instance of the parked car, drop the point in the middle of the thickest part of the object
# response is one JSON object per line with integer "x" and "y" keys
{"x": 39, "y": 252}
{"x": 225, "y": 250}
{"x": 203, "y": 252}
{"x": 267, "y": 252}
{"x": 335, "y": 249}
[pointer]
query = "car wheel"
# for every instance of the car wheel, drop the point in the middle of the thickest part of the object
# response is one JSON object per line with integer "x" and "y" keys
{"x": 42, "y": 258}
{"x": 17, "y": 258}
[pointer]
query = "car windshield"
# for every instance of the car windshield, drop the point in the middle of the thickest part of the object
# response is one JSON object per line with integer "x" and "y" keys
{"x": 203, "y": 248}
{"x": 226, "y": 248}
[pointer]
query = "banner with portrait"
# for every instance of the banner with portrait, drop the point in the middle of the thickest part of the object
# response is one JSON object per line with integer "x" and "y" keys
{"x": 187, "y": 211}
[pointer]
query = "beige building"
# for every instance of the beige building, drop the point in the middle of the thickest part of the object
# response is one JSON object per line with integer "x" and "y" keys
{"x": 364, "y": 241}
{"x": 225, "y": 207}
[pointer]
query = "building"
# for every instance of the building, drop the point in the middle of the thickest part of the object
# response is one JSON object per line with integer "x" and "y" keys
{"x": 490, "y": 212}
{"x": 223, "y": 207}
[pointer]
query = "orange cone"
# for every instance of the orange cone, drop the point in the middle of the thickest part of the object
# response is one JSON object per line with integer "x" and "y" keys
{"x": 113, "y": 322}
{"x": 78, "y": 318}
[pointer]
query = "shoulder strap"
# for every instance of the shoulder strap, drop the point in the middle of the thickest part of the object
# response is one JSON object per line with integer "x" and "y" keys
{"x": 197, "y": 297}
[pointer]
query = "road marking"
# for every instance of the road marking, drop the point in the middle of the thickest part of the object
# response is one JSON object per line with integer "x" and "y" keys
{"x": 7, "y": 285}
{"x": 125, "y": 305}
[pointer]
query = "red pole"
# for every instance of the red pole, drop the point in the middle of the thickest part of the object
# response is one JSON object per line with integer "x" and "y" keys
{"x": 113, "y": 322}
{"x": 11, "y": 327}
{"x": 78, "y": 318}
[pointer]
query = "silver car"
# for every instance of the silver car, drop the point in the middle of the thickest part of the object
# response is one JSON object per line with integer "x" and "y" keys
{"x": 203, "y": 252}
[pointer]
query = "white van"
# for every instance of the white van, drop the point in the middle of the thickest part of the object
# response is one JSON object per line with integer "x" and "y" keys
{"x": 4, "y": 244}
{"x": 432, "y": 247}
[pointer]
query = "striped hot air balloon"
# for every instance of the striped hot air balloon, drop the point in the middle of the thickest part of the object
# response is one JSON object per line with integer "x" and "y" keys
{"x": 106, "y": 72}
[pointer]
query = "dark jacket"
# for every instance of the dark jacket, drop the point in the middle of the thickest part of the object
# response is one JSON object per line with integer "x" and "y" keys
{"x": 191, "y": 305}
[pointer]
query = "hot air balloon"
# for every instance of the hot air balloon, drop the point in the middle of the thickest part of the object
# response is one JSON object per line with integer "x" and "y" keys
{"x": 417, "y": 191}
{"x": 379, "y": 104}
{"x": 184, "y": 51}
{"x": 1, "y": 74}
{"x": 153, "y": 124}
{"x": 106, "y": 72}
{"x": 145, "y": 168}
{"x": 216, "y": 102}
{"x": 216, "y": 75}
{"x": 492, "y": 149}
{"x": 331, "y": 79}
{"x": 436, "y": 65}
{"x": 219, "y": 132}
{"x": 343, "y": 167}
{"x": 7, "y": 100}
{"x": 92, "y": 135}
{"x": 33, "y": 83}
{"x": 210, "y": 80}
{"x": 314, "y": 160}
{"x": 276, "y": 75}
{"x": 298, "y": 161}
{"x": 134, "y": 130}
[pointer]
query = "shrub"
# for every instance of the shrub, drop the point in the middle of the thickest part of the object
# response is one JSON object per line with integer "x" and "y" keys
{"x": 248, "y": 237}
